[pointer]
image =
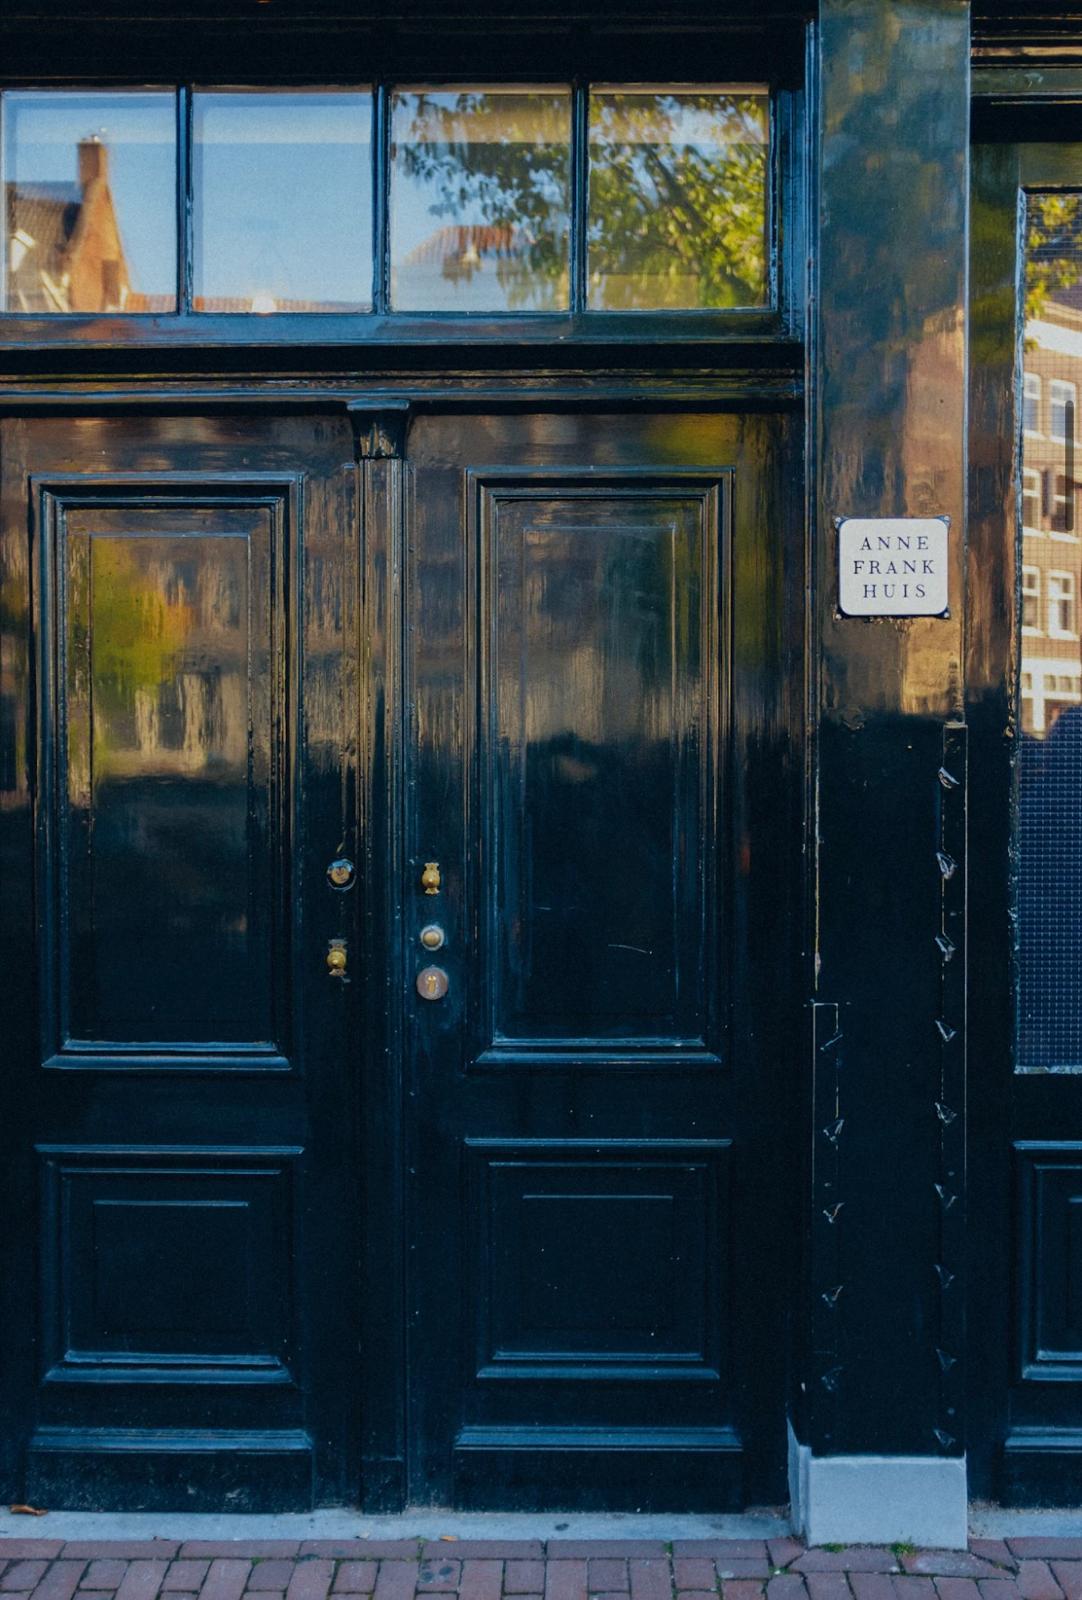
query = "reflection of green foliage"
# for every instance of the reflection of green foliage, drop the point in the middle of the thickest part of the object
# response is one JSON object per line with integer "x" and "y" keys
{"x": 137, "y": 632}
{"x": 677, "y": 201}
{"x": 677, "y": 212}
{"x": 992, "y": 288}
{"x": 1053, "y": 248}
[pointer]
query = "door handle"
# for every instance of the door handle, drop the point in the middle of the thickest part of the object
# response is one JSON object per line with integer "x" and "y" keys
{"x": 337, "y": 960}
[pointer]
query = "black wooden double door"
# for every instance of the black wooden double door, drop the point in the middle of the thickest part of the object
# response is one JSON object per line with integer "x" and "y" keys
{"x": 399, "y": 933}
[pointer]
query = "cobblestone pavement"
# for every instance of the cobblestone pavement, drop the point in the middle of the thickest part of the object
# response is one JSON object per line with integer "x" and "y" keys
{"x": 561, "y": 1569}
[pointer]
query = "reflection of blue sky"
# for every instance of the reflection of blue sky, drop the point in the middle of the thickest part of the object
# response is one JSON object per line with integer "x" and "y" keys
{"x": 41, "y": 132}
{"x": 283, "y": 196}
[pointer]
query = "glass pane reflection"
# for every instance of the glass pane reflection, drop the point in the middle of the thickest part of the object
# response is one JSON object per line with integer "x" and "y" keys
{"x": 1049, "y": 816}
{"x": 678, "y": 199}
{"x": 480, "y": 199}
{"x": 89, "y": 201}
{"x": 282, "y": 197}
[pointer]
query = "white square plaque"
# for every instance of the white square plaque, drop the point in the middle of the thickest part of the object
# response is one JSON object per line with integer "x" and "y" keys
{"x": 893, "y": 566}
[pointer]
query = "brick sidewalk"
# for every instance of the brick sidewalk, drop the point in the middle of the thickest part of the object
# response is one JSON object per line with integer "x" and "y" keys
{"x": 562, "y": 1569}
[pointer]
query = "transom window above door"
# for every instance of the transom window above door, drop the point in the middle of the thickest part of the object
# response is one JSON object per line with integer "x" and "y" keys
{"x": 411, "y": 199}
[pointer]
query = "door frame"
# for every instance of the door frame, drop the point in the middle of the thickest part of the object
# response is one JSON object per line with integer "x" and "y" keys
{"x": 1020, "y": 122}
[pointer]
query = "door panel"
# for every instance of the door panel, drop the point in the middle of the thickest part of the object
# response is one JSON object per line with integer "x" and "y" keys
{"x": 166, "y": 775}
{"x": 180, "y": 593}
{"x": 602, "y": 755}
{"x": 598, "y": 669}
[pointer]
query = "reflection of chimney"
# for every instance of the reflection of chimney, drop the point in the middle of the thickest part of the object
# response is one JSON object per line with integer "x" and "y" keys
{"x": 93, "y": 161}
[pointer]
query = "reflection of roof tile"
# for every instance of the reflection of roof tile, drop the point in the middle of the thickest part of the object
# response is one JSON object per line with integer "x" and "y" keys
{"x": 48, "y": 212}
{"x": 455, "y": 240}
{"x": 242, "y": 303}
{"x": 151, "y": 304}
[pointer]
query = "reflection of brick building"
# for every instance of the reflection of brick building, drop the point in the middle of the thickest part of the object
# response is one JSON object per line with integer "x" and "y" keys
{"x": 1051, "y": 512}
{"x": 65, "y": 249}
{"x": 66, "y": 253}
{"x": 1049, "y": 887}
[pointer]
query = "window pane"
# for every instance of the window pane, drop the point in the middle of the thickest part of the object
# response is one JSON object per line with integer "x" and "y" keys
{"x": 1049, "y": 771}
{"x": 90, "y": 214}
{"x": 282, "y": 200}
{"x": 480, "y": 199}
{"x": 678, "y": 199}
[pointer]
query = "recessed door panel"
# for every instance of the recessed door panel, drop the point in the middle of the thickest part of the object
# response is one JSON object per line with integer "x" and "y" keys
{"x": 598, "y": 626}
{"x": 168, "y": 1264}
{"x": 600, "y": 1261}
{"x": 168, "y": 843}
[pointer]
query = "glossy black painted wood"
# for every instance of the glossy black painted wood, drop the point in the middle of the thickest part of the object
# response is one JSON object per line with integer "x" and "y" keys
{"x": 631, "y": 1096}
{"x": 181, "y": 687}
{"x": 885, "y": 1282}
{"x": 436, "y": 1197}
{"x": 603, "y": 755}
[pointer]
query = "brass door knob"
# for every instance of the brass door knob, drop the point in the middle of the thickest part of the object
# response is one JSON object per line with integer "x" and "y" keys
{"x": 432, "y": 936}
{"x": 430, "y": 878}
{"x": 336, "y": 958}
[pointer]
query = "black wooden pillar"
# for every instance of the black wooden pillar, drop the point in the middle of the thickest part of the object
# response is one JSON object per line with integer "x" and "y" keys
{"x": 879, "y": 1424}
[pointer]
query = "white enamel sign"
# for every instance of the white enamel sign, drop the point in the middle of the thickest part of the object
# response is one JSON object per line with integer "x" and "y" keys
{"x": 893, "y": 566}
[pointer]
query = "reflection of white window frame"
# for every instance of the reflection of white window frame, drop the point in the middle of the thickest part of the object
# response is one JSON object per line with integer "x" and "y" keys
{"x": 1062, "y": 605}
{"x": 1060, "y": 395}
{"x": 1032, "y": 690}
{"x": 1042, "y": 692}
{"x": 1031, "y": 500}
{"x": 1031, "y": 599}
{"x": 1031, "y": 402}
{"x": 1061, "y": 507}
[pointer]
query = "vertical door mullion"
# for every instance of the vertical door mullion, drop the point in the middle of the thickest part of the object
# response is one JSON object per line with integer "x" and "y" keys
{"x": 381, "y": 189}
{"x": 580, "y": 107}
{"x": 184, "y": 200}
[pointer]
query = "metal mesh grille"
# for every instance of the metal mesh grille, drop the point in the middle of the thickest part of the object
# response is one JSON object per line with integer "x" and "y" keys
{"x": 1049, "y": 776}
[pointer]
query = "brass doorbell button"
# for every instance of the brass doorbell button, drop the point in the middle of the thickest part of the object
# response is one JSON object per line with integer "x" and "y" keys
{"x": 340, "y": 873}
{"x": 432, "y": 983}
{"x": 433, "y": 937}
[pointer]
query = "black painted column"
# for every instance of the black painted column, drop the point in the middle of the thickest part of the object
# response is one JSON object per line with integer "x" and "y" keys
{"x": 883, "y": 1367}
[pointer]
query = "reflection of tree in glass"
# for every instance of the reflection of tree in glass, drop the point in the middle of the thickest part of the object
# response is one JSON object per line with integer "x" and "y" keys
{"x": 1053, "y": 247}
{"x": 503, "y": 159}
{"x": 677, "y": 200}
{"x": 677, "y": 203}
